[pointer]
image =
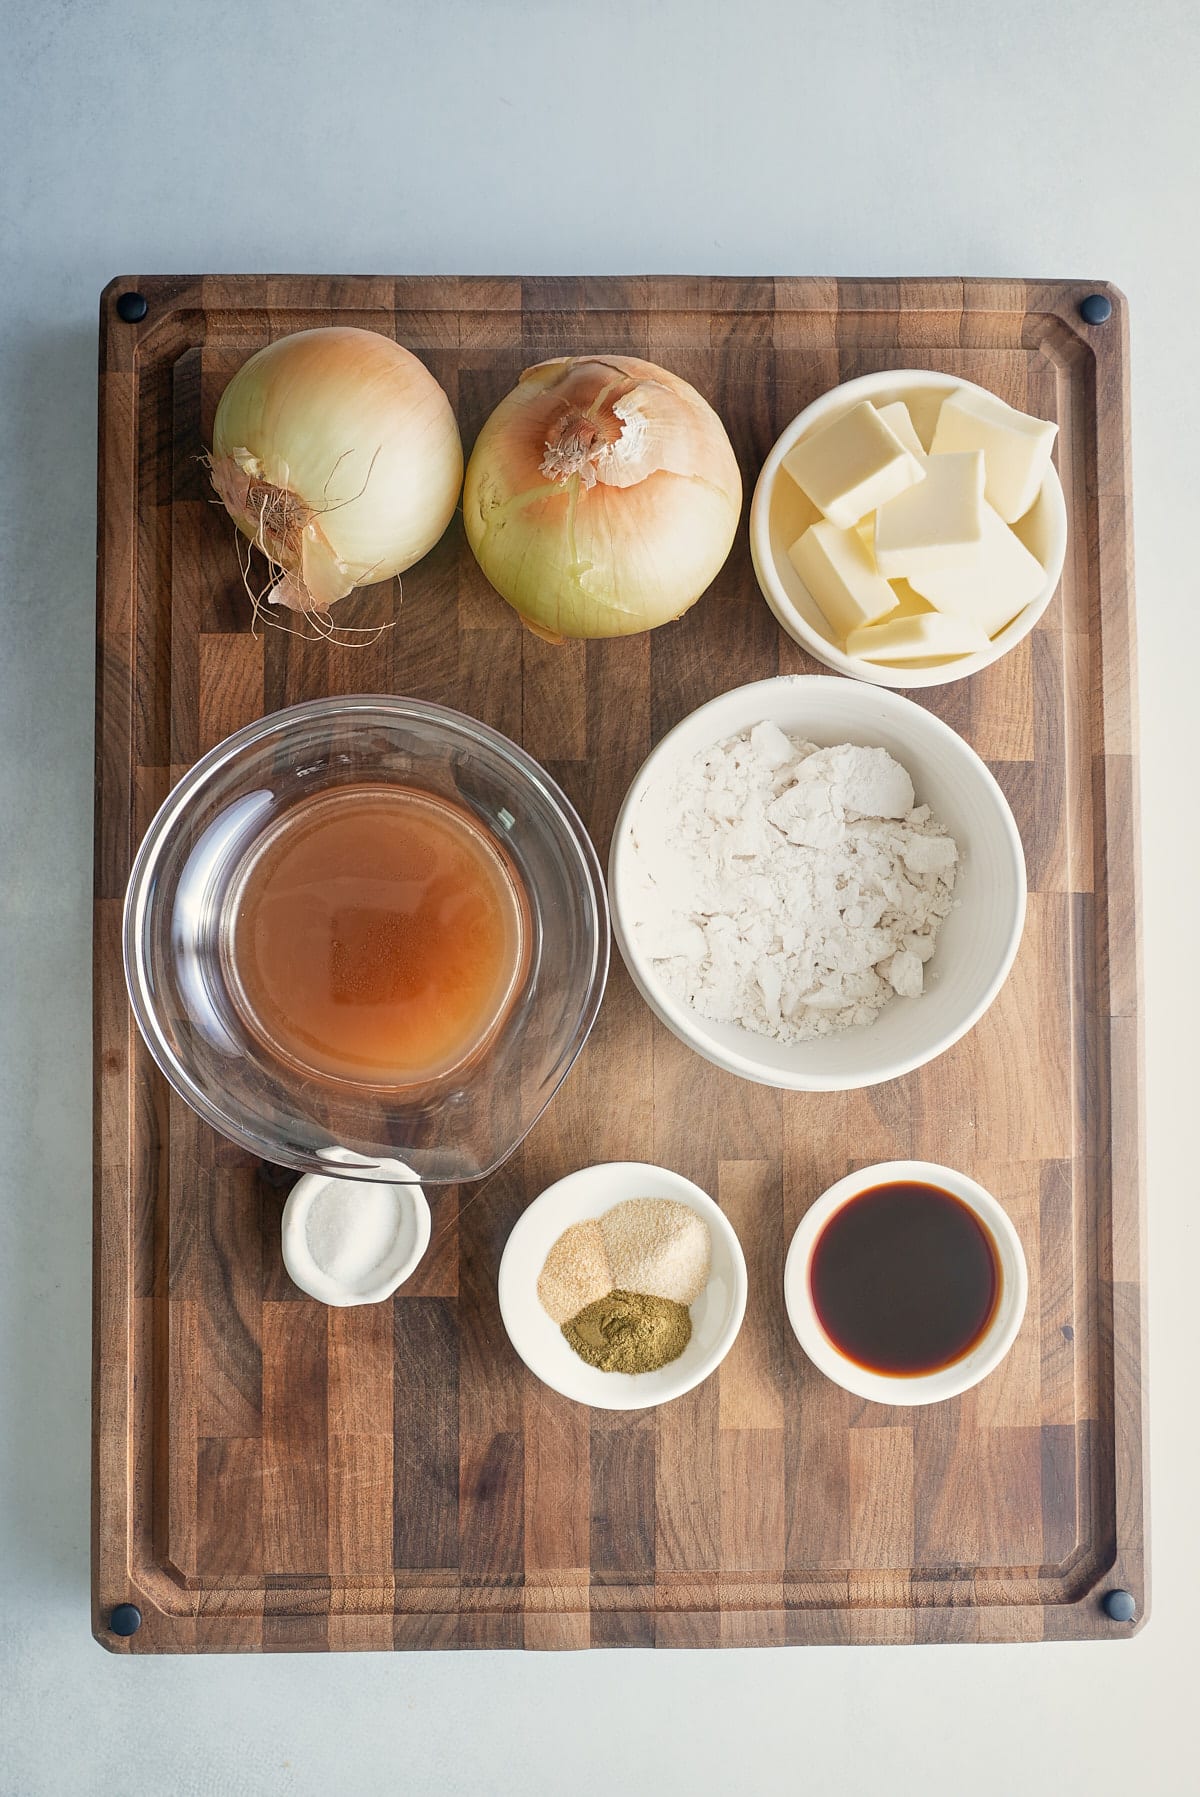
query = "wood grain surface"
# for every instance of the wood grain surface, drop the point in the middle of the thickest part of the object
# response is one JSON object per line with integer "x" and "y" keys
{"x": 273, "y": 1475}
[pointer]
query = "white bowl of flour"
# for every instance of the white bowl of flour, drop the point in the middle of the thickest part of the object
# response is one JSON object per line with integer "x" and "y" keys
{"x": 816, "y": 884}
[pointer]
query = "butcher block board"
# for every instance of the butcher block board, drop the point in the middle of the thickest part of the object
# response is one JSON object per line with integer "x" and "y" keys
{"x": 272, "y": 1475}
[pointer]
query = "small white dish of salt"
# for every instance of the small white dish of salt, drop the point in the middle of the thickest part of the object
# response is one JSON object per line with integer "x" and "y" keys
{"x": 354, "y": 1241}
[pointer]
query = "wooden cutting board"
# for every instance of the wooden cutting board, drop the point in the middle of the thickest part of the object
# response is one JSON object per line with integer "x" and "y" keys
{"x": 273, "y": 1475}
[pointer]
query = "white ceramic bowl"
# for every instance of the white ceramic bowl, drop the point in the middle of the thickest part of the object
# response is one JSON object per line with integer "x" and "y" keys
{"x": 388, "y": 1264}
{"x": 921, "y": 1388}
{"x": 716, "y": 1315}
{"x": 780, "y": 512}
{"x": 978, "y": 940}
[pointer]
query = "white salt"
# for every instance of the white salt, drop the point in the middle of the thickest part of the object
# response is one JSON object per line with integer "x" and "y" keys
{"x": 352, "y": 1226}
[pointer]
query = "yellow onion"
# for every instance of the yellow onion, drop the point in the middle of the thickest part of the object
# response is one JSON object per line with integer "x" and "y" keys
{"x": 602, "y": 496}
{"x": 336, "y": 452}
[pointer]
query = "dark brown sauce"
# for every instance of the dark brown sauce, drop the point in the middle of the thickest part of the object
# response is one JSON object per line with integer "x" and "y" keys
{"x": 905, "y": 1279}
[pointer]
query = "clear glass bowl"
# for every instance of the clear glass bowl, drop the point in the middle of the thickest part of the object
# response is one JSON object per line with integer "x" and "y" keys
{"x": 460, "y": 1127}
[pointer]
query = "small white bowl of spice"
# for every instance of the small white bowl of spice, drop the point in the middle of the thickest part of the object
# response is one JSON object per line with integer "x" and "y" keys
{"x": 623, "y": 1286}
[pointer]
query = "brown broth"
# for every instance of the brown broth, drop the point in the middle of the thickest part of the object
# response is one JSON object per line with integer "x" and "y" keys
{"x": 376, "y": 935}
{"x": 905, "y": 1279}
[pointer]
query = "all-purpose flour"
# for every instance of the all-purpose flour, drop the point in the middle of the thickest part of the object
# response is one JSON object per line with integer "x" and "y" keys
{"x": 791, "y": 889}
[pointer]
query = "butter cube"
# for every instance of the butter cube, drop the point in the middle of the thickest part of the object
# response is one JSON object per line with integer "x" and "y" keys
{"x": 1016, "y": 448}
{"x": 919, "y": 638}
{"x": 992, "y": 585}
{"x": 909, "y": 602}
{"x": 898, "y": 418}
{"x": 936, "y": 524}
{"x": 849, "y": 467}
{"x": 836, "y": 567}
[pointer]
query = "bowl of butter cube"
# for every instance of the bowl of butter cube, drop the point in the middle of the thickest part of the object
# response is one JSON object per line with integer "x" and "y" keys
{"x": 909, "y": 528}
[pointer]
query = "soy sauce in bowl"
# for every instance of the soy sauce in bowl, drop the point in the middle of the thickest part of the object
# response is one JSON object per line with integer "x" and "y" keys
{"x": 905, "y": 1279}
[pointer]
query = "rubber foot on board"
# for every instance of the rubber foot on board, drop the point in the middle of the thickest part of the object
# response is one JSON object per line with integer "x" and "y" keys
{"x": 1095, "y": 309}
{"x": 1120, "y": 1606}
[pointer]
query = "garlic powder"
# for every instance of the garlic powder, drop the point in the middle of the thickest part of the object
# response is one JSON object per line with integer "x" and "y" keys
{"x": 790, "y": 889}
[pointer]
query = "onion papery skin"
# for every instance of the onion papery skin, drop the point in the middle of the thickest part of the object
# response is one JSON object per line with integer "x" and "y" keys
{"x": 625, "y": 527}
{"x": 338, "y": 454}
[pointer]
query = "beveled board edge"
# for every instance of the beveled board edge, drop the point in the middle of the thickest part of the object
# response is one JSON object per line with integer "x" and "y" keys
{"x": 1114, "y": 767}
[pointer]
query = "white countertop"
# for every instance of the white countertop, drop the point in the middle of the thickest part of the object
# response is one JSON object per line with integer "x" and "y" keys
{"x": 885, "y": 137}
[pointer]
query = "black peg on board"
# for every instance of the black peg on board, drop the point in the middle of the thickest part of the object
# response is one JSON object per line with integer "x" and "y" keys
{"x": 1120, "y": 1606}
{"x": 1095, "y": 309}
{"x": 126, "y": 1619}
{"x": 132, "y": 307}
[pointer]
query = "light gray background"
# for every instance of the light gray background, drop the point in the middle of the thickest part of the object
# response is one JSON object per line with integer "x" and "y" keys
{"x": 1038, "y": 138}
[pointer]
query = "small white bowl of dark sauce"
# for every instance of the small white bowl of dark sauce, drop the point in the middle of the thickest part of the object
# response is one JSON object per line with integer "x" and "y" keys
{"x": 906, "y": 1283}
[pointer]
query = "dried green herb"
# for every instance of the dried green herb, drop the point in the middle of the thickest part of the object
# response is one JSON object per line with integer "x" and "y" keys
{"x": 630, "y": 1332}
